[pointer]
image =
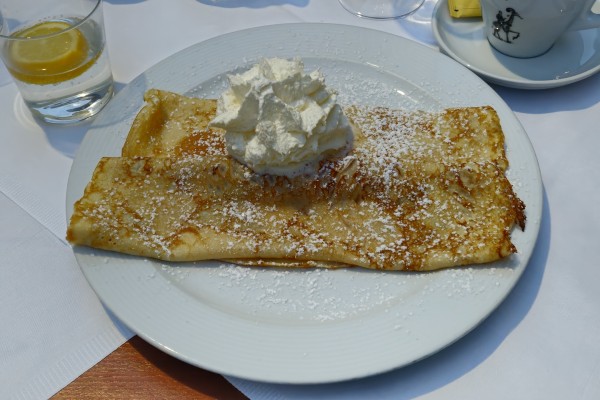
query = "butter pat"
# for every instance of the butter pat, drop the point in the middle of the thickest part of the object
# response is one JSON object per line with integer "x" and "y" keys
{"x": 464, "y": 8}
{"x": 279, "y": 120}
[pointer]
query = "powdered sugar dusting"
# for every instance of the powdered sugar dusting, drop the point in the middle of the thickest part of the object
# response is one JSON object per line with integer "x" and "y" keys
{"x": 316, "y": 294}
{"x": 356, "y": 84}
{"x": 329, "y": 296}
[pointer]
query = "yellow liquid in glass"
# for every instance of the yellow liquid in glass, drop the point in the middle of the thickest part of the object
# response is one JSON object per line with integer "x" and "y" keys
{"x": 41, "y": 59}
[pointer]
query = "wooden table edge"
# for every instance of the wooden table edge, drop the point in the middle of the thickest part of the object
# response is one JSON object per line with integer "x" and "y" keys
{"x": 138, "y": 370}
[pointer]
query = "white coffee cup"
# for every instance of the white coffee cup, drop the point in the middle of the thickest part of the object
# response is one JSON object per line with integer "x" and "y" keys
{"x": 529, "y": 28}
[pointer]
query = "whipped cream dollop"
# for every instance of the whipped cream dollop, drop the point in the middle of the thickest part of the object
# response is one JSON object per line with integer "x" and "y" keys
{"x": 280, "y": 120}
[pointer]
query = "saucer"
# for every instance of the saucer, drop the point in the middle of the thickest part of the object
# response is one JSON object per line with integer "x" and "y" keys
{"x": 574, "y": 57}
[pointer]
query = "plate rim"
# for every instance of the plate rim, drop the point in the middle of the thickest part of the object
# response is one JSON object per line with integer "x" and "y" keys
{"x": 294, "y": 379}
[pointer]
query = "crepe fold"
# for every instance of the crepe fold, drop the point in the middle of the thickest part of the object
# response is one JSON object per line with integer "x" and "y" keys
{"x": 420, "y": 191}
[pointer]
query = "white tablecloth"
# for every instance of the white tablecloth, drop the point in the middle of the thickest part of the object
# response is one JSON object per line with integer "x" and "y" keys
{"x": 541, "y": 343}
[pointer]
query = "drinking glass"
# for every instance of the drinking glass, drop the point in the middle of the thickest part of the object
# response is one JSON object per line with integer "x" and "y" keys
{"x": 55, "y": 52}
{"x": 382, "y": 9}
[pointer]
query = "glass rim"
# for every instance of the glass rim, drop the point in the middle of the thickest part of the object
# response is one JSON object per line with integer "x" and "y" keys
{"x": 71, "y": 27}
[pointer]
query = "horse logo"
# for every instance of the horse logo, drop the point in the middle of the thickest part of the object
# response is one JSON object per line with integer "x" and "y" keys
{"x": 504, "y": 25}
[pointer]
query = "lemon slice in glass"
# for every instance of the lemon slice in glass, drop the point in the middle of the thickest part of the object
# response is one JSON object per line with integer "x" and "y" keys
{"x": 48, "y": 52}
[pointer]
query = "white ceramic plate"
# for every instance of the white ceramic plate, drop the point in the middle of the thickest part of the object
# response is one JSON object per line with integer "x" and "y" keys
{"x": 574, "y": 57}
{"x": 305, "y": 326}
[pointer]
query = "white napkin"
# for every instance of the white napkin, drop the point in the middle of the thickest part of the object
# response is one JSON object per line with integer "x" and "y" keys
{"x": 48, "y": 336}
{"x": 53, "y": 325}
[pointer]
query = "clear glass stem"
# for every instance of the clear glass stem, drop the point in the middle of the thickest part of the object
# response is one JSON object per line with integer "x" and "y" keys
{"x": 382, "y": 9}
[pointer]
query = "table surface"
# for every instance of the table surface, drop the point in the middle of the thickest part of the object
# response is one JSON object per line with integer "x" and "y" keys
{"x": 137, "y": 370}
{"x": 57, "y": 339}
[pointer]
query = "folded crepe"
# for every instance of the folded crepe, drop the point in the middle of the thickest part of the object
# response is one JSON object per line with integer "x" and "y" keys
{"x": 419, "y": 191}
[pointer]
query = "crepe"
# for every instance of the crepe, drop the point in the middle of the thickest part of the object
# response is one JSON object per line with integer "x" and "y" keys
{"x": 419, "y": 191}
{"x": 171, "y": 125}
